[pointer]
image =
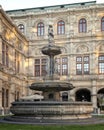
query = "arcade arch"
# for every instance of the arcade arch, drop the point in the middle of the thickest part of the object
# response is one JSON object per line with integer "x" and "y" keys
{"x": 83, "y": 95}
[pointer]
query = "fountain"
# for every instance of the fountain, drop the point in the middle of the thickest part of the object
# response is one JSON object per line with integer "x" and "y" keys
{"x": 51, "y": 86}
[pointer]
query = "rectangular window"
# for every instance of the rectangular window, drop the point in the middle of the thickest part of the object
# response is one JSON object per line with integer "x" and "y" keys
{"x": 79, "y": 68}
{"x": 82, "y": 65}
{"x": 37, "y": 67}
{"x": 58, "y": 66}
{"x": 17, "y": 62}
{"x": 86, "y": 68}
{"x": 62, "y": 65}
{"x": 101, "y": 64}
{"x": 101, "y": 68}
{"x": 5, "y": 55}
{"x": 7, "y": 98}
{"x": 40, "y": 67}
{"x": 37, "y": 70}
{"x": 80, "y": 28}
{"x": 43, "y": 67}
{"x": 3, "y": 94}
{"x": 16, "y": 97}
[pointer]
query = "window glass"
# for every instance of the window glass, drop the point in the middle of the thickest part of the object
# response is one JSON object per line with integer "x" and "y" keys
{"x": 102, "y": 24}
{"x": 40, "y": 29}
{"x": 21, "y": 27}
{"x": 82, "y": 25}
{"x": 61, "y": 27}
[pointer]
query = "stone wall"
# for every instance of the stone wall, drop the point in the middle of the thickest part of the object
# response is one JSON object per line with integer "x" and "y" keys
{"x": 12, "y": 83}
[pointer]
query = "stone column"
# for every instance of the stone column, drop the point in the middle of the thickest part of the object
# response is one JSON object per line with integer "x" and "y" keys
{"x": 0, "y": 51}
{"x": 1, "y": 110}
{"x": 51, "y": 65}
{"x": 94, "y": 95}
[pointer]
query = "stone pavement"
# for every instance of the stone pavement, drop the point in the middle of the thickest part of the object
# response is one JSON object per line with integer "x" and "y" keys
{"x": 93, "y": 120}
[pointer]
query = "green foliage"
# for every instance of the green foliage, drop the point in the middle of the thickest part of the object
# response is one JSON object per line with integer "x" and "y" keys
{"x": 51, "y": 127}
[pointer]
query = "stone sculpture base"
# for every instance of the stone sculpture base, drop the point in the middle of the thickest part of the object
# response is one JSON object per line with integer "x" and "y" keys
{"x": 30, "y": 111}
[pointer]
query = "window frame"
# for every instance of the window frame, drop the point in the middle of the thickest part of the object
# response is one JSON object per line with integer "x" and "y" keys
{"x": 102, "y": 23}
{"x": 60, "y": 27}
{"x": 21, "y": 28}
{"x": 82, "y": 64}
{"x": 41, "y": 67}
{"x": 40, "y": 29}
{"x": 5, "y": 54}
{"x": 62, "y": 65}
{"x": 100, "y": 61}
{"x": 17, "y": 62}
{"x": 82, "y": 25}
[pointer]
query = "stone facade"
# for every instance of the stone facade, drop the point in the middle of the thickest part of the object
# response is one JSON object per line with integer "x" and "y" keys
{"x": 13, "y": 61}
{"x": 74, "y": 44}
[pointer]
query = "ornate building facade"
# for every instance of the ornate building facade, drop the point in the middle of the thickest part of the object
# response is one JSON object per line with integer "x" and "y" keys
{"x": 79, "y": 31}
{"x": 13, "y": 62}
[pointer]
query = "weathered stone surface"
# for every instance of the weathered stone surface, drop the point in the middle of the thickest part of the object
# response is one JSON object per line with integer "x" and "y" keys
{"x": 52, "y": 109}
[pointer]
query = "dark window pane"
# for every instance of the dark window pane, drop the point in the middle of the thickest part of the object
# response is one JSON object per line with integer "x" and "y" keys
{"x": 21, "y": 27}
{"x": 40, "y": 67}
{"x": 102, "y": 24}
{"x": 3, "y": 94}
{"x": 37, "y": 61}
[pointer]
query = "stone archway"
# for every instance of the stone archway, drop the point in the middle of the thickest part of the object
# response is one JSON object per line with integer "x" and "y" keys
{"x": 100, "y": 98}
{"x": 101, "y": 91}
{"x": 83, "y": 95}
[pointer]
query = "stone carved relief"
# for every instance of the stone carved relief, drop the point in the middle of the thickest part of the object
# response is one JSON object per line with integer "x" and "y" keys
{"x": 63, "y": 50}
{"x": 101, "y": 48}
{"x": 82, "y": 48}
{"x": 8, "y": 35}
{"x": 37, "y": 51}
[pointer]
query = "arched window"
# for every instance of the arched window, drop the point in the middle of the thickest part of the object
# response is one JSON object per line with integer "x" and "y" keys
{"x": 100, "y": 98}
{"x": 21, "y": 27}
{"x": 61, "y": 27}
{"x": 102, "y": 24}
{"x": 82, "y": 25}
{"x": 40, "y": 29}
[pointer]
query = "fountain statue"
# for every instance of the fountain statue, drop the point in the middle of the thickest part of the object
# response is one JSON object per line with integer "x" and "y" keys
{"x": 52, "y": 107}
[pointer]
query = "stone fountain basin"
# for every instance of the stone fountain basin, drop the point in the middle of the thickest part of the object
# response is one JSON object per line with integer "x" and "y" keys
{"x": 52, "y": 85}
{"x": 51, "y": 50}
{"x": 52, "y": 109}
